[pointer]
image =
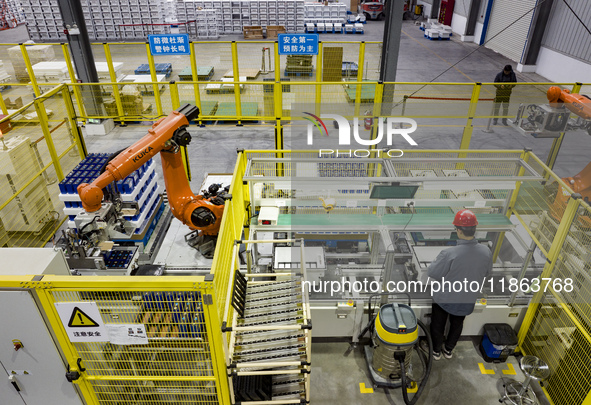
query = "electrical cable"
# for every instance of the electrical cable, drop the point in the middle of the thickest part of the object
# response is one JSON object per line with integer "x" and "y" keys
{"x": 423, "y": 383}
{"x": 577, "y": 17}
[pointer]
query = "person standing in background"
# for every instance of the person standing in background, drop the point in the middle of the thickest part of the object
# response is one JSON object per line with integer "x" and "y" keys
{"x": 503, "y": 92}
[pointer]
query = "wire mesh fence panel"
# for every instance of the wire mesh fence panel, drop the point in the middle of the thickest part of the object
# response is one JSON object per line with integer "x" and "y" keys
{"x": 572, "y": 269}
{"x": 15, "y": 96}
{"x": 554, "y": 337}
{"x": 213, "y": 59}
{"x": 121, "y": 52}
{"x": 541, "y": 205}
{"x": 372, "y": 61}
{"x": 298, "y": 68}
{"x": 170, "y": 359}
{"x": 30, "y": 210}
{"x": 429, "y": 99}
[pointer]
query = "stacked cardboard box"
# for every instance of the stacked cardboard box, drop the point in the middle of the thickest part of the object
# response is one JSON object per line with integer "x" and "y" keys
{"x": 4, "y": 76}
{"x": 132, "y": 102}
{"x": 37, "y": 53}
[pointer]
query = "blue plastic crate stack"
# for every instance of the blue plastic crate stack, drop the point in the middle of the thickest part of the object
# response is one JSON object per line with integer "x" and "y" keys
{"x": 140, "y": 186}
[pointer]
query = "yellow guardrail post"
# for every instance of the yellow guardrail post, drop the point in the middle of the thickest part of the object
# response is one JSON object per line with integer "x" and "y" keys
{"x": 3, "y": 106}
{"x": 511, "y": 206}
{"x": 236, "y": 75}
{"x": 155, "y": 84}
{"x": 377, "y": 111}
{"x": 469, "y": 128}
{"x": 30, "y": 70}
{"x": 113, "y": 77}
{"x": 557, "y": 143}
{"x": 566, "y": 222}
{"x": 318, "y": 96}
{"x": 73, "y": 124}
{"x": 358, "y": 86}
{"x": 214, "y": 328}
{"x": 176, "y": 103}
{"x": 277, "y": 89}
{"x": 195, "y": 77}
{"x": 42, "y": 115}
{"x": 72, "y": 74}
{"x": 278, "y": 99}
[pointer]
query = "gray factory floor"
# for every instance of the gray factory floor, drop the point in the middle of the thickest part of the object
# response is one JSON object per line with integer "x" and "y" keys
{"x": 337, "y": 373}
{"x": 341, "y": 376}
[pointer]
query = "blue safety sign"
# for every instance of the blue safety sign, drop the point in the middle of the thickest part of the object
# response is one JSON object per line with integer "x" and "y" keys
{"x": 169, "y": 44}
{"x": 298, "y": 44}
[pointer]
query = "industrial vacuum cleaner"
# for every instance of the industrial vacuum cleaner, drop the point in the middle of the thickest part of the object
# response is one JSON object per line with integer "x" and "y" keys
{"x": 394, "y": 356}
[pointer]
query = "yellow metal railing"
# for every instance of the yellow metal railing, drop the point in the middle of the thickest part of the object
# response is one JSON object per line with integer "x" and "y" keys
{"x": 182, "y": 359}
{"x": 42, "y": 144}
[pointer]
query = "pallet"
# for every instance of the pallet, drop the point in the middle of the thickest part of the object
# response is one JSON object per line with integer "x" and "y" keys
{"x": 287, "y": 73}
{"x": 204, "y": 73}
{"x": 368, "y": 92}
{"x": 249, "y": 73}
{"x": 221, "y": 90}
{"x": 438, "y": 38}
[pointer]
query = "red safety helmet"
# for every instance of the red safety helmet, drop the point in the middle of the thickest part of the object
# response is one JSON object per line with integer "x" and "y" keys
{"x": 465, "y": 218}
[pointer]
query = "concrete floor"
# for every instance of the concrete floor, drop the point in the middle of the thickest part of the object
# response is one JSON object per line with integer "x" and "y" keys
{"x": 336, "y": 376}
{"x": 337, "y": 373}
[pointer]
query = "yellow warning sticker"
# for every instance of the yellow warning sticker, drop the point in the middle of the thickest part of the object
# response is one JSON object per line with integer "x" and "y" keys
{"x": 484, "y": 370}
{"x": 81, "y": 320}
{"x": 510, "y": 371}
{"x": 364, "y": 390}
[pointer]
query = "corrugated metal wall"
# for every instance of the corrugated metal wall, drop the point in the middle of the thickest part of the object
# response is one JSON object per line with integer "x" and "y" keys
{"x": 507, "y": 32}
{"x": 564, "y": 33}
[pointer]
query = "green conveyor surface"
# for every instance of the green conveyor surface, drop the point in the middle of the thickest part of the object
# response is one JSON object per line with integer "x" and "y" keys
{"x": 203, "y": 73}
{"x": 400, "y": 220}
{"x": 228, "y": 108}
{"x": 368, "y": 92}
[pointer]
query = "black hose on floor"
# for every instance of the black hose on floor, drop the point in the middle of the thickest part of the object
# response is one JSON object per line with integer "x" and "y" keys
{"x": 423, "y": 383}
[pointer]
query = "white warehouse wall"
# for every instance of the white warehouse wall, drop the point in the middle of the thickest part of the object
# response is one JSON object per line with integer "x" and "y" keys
{"x": 558, "y": 67}
{"x": 458, "y": 24}
{"x": 478, "y": 32}
{"x": 426, "y": 7}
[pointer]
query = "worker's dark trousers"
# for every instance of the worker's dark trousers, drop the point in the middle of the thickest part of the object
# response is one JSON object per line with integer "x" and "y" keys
{"x": 497, "y": 104}
{"x": 438, "y": 320}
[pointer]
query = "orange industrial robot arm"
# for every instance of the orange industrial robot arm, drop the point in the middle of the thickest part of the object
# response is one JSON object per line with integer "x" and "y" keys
{"x": 166, "y": 136}
{"x": 577, "y": 103}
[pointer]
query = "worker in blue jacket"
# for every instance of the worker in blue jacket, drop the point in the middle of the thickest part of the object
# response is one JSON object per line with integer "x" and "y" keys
{"x": 467, "y": 264}
{"x": 503, "y": 92}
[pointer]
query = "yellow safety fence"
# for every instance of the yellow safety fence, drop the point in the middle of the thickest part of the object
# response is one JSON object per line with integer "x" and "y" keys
{"x": 557, "y": 325}
{"x": 182, "y": 361}
{"x": 39, "y": 145}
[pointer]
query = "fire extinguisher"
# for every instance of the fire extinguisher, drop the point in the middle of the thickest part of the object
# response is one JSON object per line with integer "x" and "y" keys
{"x": 368, "y": 120}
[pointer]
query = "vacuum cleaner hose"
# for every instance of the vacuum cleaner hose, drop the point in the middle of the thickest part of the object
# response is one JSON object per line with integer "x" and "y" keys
{"x": 427, "y": 372}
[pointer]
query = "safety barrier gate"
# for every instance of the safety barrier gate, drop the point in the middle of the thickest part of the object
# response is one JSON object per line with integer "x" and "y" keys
{"x": 181, "y": 360}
